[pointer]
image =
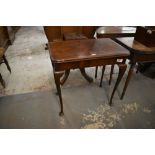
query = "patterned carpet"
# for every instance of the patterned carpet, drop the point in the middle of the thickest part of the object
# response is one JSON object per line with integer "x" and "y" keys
{"x": 105, "y": 117}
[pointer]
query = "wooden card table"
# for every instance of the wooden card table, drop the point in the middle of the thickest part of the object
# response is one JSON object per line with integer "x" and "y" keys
{"x": 138, "y": 53}
{"x": 74, "y": 54}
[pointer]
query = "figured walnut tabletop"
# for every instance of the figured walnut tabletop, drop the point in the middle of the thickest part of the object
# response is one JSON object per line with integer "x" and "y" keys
{"x": 138, "y": 53}
{"x": 86, "y": 53}
{"x": 78, "y": 50}
{"x": 115, "y": 31}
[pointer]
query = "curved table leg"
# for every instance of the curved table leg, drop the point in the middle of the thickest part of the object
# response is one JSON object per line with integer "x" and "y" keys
{"x": 65, "y": 77}
{"x": 7, "y": 64}
{"x": 83, "y": 72}
{"x": 57, "y": 76}
{"x": 2, "y": 81}
{"x": 103, "y": 69}
{"x": 128, "y": 79}
{"x": 112, "y": 70}
{"x": 96, "y": 69}
{"x": 122, "y": 68}
{"x": 111, "y": 73}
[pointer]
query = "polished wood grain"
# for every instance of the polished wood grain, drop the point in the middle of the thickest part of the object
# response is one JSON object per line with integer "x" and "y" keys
{"x": 74, "y": 54}
{"x": 53, "y": 33}
{"x": 138, "y": 53}
{"x": 85, "y": 49}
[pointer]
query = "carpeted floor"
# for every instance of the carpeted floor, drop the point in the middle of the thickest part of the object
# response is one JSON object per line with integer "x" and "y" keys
{"x": 82, "y": 109}
{"x": 30, "y": 63}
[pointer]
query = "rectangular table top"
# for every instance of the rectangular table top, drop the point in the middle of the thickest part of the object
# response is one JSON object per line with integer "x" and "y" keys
{"x": 78, "y": 50}
{"x": 116, "y": 31}
{"x": 132, "y": 44}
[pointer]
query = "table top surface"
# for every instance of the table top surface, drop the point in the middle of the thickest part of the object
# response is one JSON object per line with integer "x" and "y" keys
{"x": 132, "y": 44}
{"x": 78, "y": 50}
{"x": 116, "y": 30}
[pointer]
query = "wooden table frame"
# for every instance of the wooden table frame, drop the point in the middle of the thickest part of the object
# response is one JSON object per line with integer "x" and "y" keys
{"x": 138, "y": 53}
{"x": 59, "y": 66}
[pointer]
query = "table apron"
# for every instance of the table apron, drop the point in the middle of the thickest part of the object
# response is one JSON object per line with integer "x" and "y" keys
{"x": 86, "y": 63}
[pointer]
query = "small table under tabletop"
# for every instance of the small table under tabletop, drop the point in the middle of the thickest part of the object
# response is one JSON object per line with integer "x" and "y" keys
{"x": 138, "y": 53}
{"x": 86, "y": 53}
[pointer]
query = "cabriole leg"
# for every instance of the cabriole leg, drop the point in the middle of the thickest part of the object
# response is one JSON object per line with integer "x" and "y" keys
{"x": 103, "y": 69}
{"x": 128, "y": 79}
{"x": 57, "y": 76}
{"x": 122, "y": 69}
{"x": 2, "y": 81}
{"x": 111, "y": 73}
{"x": 88, "y": 78}
{"x": 96, "y": 69}
{"x": 65, "y": 77}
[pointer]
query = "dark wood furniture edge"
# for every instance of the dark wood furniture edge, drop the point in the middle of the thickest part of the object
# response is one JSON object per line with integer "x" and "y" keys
{"x": 138, "y": 52}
